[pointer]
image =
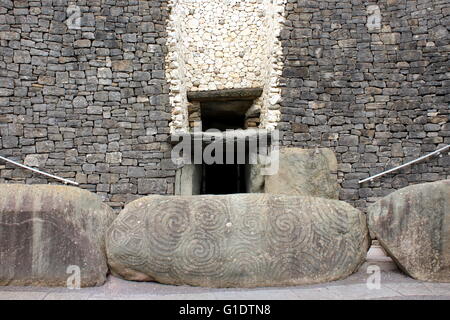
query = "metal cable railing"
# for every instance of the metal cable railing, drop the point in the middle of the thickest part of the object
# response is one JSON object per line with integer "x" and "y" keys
{"x": 361, "y": 181}
{"x": 406, "y": 164}
{"x": 39, "y": 171}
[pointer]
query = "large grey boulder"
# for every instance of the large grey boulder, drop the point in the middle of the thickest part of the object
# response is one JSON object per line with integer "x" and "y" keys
{"x": 413, "y": 226}
{"x": 240, "y": 240}
{"x": 305, "y": 172}
{"x": 49, "y": 233}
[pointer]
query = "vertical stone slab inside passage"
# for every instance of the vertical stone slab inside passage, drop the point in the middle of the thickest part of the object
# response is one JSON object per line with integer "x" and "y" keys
{"x": 48, "y": 233}
{"x": 240, "y": 240}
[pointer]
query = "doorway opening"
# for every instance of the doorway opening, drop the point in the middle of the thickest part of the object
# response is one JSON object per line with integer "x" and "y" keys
{"x": 223, "y": 179}
{"x": 228, "y": 173}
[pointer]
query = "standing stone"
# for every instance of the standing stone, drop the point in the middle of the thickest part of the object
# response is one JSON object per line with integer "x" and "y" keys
{"x": 308, "y": 172}
{"x": 413, "y": 225}
{"x": 240, "y": 240}
{"x": 47, "y": 232}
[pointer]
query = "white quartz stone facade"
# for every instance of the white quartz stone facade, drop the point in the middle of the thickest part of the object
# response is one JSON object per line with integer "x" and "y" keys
{"x": 224, "y": 44}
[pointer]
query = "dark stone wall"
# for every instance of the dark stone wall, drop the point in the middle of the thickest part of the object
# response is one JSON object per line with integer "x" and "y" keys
{"x": 377, "y": 98}
{"x": 90, "y": 104}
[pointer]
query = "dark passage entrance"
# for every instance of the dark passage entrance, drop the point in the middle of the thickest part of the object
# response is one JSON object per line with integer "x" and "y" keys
{"x": 223, "y": 179}
{"x": 225, "y": 109}
{"x": 232, "y": 170}
{"x": 223, "y": 115}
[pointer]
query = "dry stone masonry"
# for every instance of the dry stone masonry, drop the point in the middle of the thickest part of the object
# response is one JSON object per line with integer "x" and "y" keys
{"x": 97, "y": 104}
{"x": 89, "y": 104}
{"x": 368, "y": 79}
{"x": 216, "y": 45}
{"x": 95, "y": 91}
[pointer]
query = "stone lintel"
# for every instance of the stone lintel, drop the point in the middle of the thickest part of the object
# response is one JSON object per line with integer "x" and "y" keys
{"x": 226, "y": 136}
{"x": 225, "y": 95}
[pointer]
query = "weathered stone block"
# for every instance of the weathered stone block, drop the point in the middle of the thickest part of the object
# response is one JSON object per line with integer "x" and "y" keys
{"x": 101, "y": 96}
{"x": 114, "y": 157}
{"x": 104, "y": 73}
{"x": 35, "y": 132}
{"x": 348, "y": 140}
{"x": 242, "y": 240}
{"x": 83, "y": 43}
{"x": 7, "y": 83}
{"x": 94, "y": 110}
{"x": 413, "y": 225}
{"x": 122, "y": 65}
{"x": 53, "y": 91}
{"x": 8, "y": 35}
{"x": 299, "y": 72}
{"x": 46, "y": 80}
{"x": 46, "y": 229}
{"x": 390, "y": 38}
{"x": 22, "y": 57}
{"x": 45, "y": 146}
{"x": 152, "y": 186}
{"x": 136, "y": 172}
{"x": 141, "y": 76}
{"x": 409, "y": 55}
{"x": 300, "y": 128}
{"x": 36, "y": 160}
{"x": 307, "y": 172}
{"x": 10, "y": 141}
{"x": 439, "y": 32}
{"x": 80, "y": 102}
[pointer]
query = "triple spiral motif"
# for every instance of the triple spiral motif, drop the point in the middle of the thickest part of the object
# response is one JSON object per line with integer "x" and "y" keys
{"x": 234, "y": 240}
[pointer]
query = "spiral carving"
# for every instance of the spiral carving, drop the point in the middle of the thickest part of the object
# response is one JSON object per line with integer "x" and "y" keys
{"x": 238, "y": 240}
{"x": 199, "y": 255}
{"x": 210, "y": 215}
{"x": 251, "y": 227}
{"x": 249, "y": 263}
{"x": 172, "y": 220}
{"x": 287, "y": 228}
